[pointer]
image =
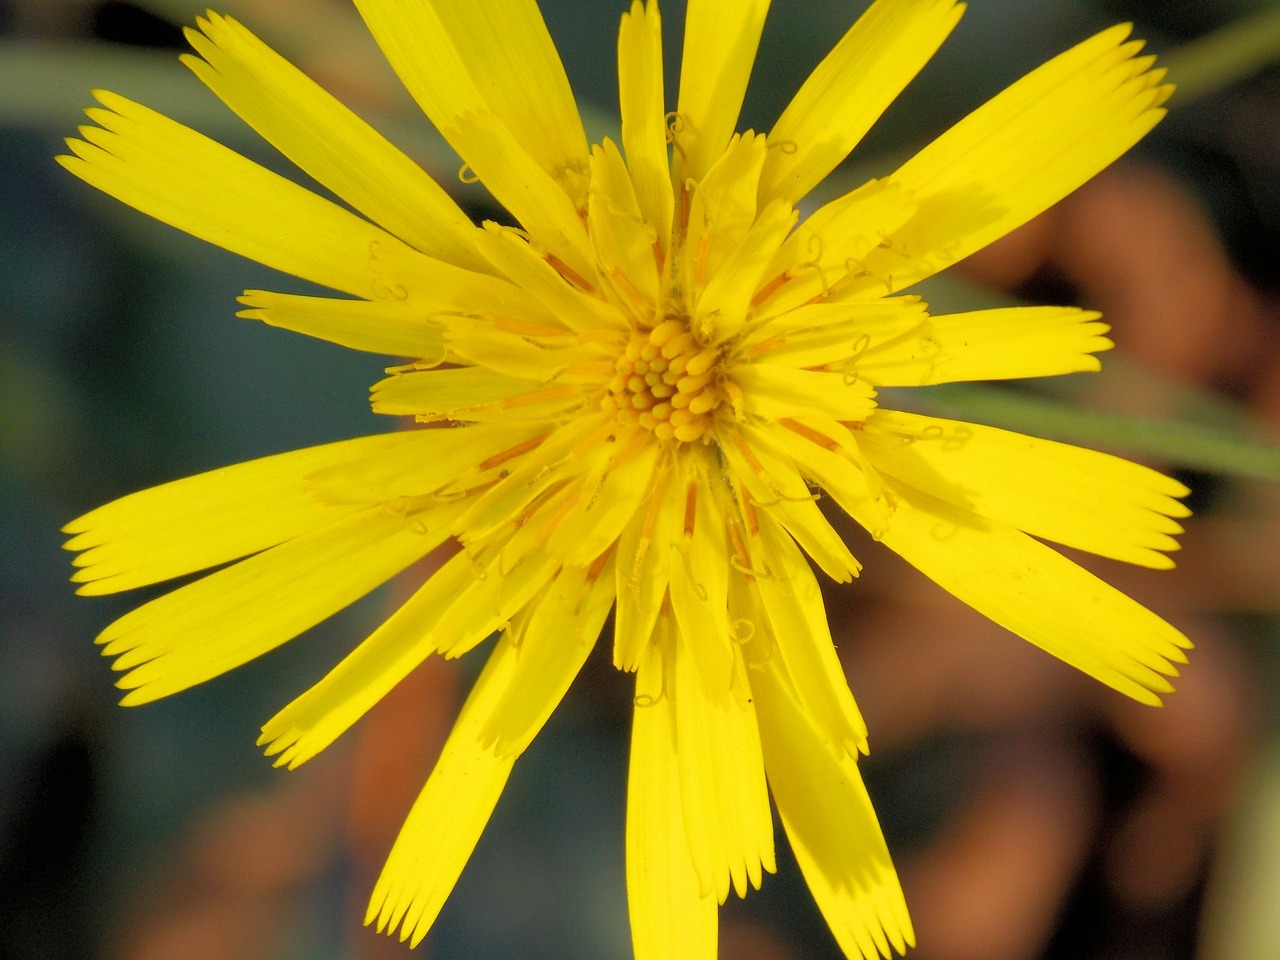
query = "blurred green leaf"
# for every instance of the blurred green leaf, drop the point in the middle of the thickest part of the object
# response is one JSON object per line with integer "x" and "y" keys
{"x": 1218, "y": 59}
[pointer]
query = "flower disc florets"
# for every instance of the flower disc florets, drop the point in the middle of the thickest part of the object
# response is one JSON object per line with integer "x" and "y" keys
{"x": 667, "y": 381}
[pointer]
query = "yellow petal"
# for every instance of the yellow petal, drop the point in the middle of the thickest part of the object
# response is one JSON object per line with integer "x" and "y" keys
{"x": 643, "y": 109}
{"x": 671, "y": 918}
{"x": 832, "y": 827}
{"x": 512, "y": 174}
{"x": 451, "y": 812}
{"x": 837, "y": 335}
{"x": 830, "y": 455}
{"x": 458, "y": 58}
{"x": 825, "y": 255}
{"x": 460, "y": 605}
{"x": 202, "y": 521}
{"x": 437, "y": 464}
{"x": 774, "y": 392}
{"x": 722, "y": 211}
{"x": 552, "y": 641}
{"x": 787, "y": 620}
{"x": 720, "y": 41}
{"x": 777, "y": 487}
{"x": 850, "y": 89}
{"x": 1035, "y": 592}
{"x": 329, "y": 142}
{"x": 444, "y": 394}
{"x": 1021, "y": 152}
{"x": 392, "y": 327}
{"x": 568, "y": 452}
{"x": 724, "y": 305}
{"x": 206, "y": 628}
{"x": 564, "y": 303}
{"x": 698, "y": 578}
{"x": 1076, "y": 497}
{"x": 726, "y": 803}
{"x": 609, "y": 500}
{"x": 1003, "y": 344}
{"x": 170, "y": 172}
{"x": 620, "y": 234}
{"x": 644, "y": 566}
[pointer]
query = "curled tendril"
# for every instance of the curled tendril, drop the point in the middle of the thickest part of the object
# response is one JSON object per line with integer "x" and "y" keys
{"x": 957, "y": 439}
{"x": 943, "y": 530}
{"x": 779, "y": 497}
{"x": 421, "y": 364}
{"x": 506, "y": 230}
{"x": 787, "y": 147}
{"x": 467, "y": 175}
{"x": 759, "y": 663}
{"x": 738, "y": 564}
{"x": 673, "y": 124}
{"x": 816, "y": 266}
{"x": 742, "y": 631}
{"x": 644, "y": 700}
{"x": 450, "y": 493}
{"x": 385, "y": 290}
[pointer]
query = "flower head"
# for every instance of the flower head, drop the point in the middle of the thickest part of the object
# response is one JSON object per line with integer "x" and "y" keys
{"x": 642, "y": 390}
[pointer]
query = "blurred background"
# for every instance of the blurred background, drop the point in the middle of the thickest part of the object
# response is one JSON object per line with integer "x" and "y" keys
{"x": 1033, "y": 814}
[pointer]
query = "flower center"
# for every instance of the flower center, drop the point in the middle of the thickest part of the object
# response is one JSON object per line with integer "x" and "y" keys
{"x": 666, "y": 380}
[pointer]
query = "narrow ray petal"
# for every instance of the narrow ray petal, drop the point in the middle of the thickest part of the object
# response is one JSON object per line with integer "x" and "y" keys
{"x": 777, "y": 487}
{"x": 393, "y": 327}
{"x": 208, "y": 519}
{"x": 230, "y": 617}
{"x": 827, "y": 253}
{"x": 722, "y": 785}
{"x": 832, "y": 827}
{"x": 720, "y": 41}
{"x": 671, "y": 919}
{"x": 1004, "y": 344}
{"x": 1037, "y": 593}
{"x": 621, "y": 235}
{"x": 724, "y": 304}
{"x": 721, "y": 212}
{"x": 644, "y": 566}
{"x": 439, "y": 465}
{"x": 329, "y": 142}
{"x": 1021, "y": 152}
{"x": 558, "y": 632}
{"x": 451, "y": 812}
{"x": 643, "y": 109}
{"x": 834, "y": 336}
{"x": 611, "y": 501}
{"x": 850, "y": 89}
{"x": 459, "y": 58}
{"x": 788, "y": 619}
{"x": 527, "y": 191}
{"x": 773, "y": 392}
{"x": 445, "y": 393}
{"x": 698, "y": 580}
{"x": 1070, "y": 495}
{"x": 169, "y": 172}
{"x": 566, "y": 303}
{"x": 452, "y": 612}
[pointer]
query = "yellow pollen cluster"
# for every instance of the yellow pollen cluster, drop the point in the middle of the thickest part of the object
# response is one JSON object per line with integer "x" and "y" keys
{"x": 666, "y": 381}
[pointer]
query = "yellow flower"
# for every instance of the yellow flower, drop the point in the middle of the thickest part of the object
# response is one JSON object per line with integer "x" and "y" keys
{"x": 643, "y": 388}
